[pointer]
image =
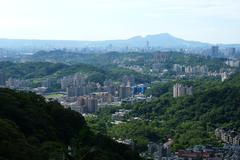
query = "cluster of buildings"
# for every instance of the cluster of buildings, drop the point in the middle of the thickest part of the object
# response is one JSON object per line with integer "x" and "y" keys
{"x": 18, "y": 83}
{"x": 120, "y": 114}
{"x": 223, "y": 52}
{"x": 88, "y": 97}
{"x": 75, "y": 85}
{"x": 228, "y": 136}
{"x": 86, "y": 104}
{"x": 230, "y": 52}
{"x": 197, "y": 152}
{"x": 216, "y": 51}
{"x": 13, "y": 83}
{"x": 80, "y": 94}
{"x": 161, "y": 57}
{"x": 158, "y": 67}
{"x": 159, "y": 62}
{"x": 131, "y": 63}
{"x": 233, "y": 63}
{"x": 196, "y": 69}
{"x": 25, "y": 84}
{"x": 209, "y": 152}
{"x": 135, "y": 68}
{"x": 203, "y": 70}
{"x": 182, "y": 90}
{"x": 230, "y": 150}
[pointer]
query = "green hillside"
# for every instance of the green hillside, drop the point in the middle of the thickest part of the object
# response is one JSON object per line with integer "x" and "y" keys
{"x": 31, "y": 128}
{"x": 41, "y": 70}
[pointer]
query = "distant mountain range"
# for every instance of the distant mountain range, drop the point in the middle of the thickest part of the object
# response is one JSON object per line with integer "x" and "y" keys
{"x": 163, "y": 40}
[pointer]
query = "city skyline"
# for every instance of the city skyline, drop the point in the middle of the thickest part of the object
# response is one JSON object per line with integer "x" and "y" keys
{"x": 206, "y": 21}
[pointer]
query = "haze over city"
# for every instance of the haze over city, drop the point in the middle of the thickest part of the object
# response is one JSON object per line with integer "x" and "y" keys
{"x": 208, "y": 21}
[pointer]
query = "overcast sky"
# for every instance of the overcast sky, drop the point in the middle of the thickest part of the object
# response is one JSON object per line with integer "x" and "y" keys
{"x": 216, "y": 21}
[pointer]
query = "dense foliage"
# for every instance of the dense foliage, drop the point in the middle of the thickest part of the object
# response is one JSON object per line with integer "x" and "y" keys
{"x": 31, "y": 128}
{"x": 43, "y": 70}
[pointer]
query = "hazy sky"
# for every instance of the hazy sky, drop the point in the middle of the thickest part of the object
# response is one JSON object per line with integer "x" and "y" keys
{"x": 203, "y": 20}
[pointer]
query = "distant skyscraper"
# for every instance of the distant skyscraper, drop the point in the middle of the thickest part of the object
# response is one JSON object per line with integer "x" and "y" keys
{"x": 125, "y": 91}
{"x": 2, "y": 79}
{"x": 147, "y": 45}
{"x": 214, "y": 51}
{"x": 232, "y": 51}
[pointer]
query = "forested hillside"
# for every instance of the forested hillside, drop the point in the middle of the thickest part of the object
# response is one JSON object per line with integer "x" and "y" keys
{"x": 31, "y": 128}
{"x": 34, "y": 70}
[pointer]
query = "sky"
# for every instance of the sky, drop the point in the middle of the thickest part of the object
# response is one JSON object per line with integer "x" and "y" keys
{"x": 215, "y": 21}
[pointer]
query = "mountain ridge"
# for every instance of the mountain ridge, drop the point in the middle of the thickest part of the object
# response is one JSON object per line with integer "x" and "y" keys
{"x": 162, "y": 40}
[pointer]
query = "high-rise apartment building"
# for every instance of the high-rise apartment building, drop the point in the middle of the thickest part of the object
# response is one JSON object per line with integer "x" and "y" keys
{"x": 125, "y": 91}
{"x": 88, "y": 104}
{"x": 181, "y": 90}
